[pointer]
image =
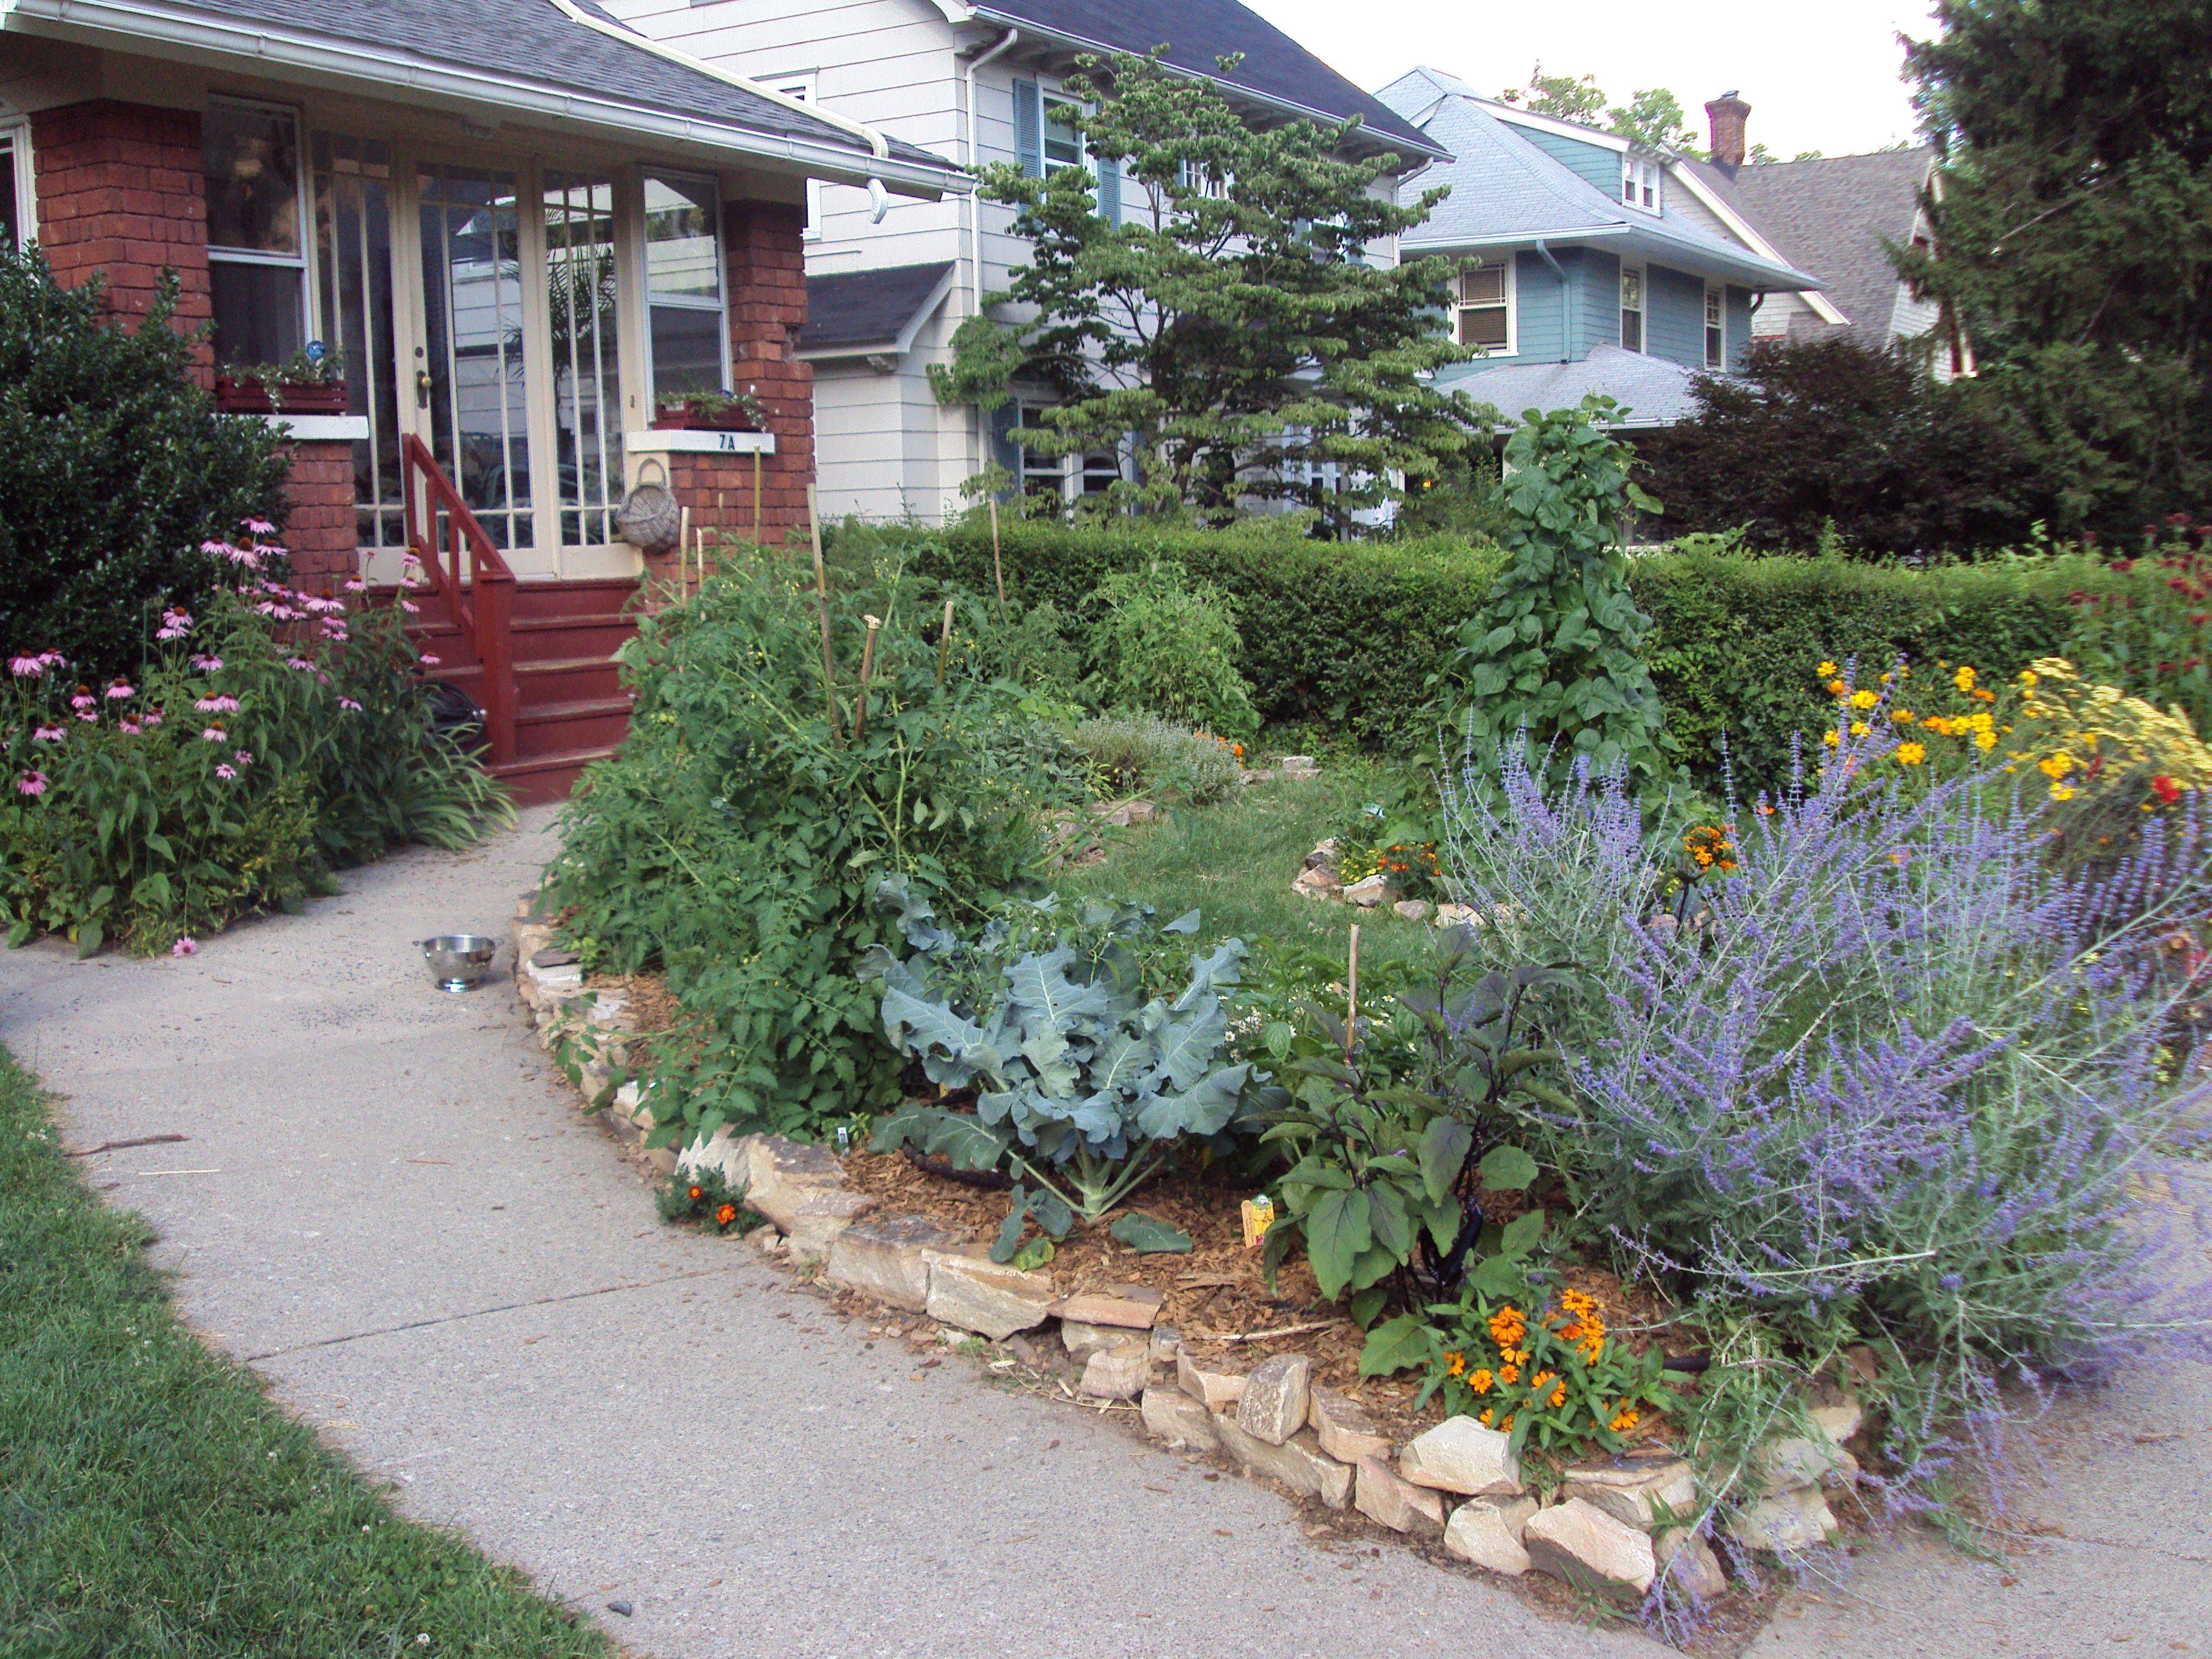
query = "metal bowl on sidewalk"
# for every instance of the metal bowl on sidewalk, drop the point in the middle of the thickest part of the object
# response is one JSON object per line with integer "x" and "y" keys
{"x": 459, "y": 962}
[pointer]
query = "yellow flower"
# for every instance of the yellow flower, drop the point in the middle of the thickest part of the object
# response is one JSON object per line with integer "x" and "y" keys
{"x": 1831, "y": 737}
{"x": 1860, "y": 728}
{"x": 1902, "y": 716}
{"x": 2028, "y": 676}
{"x": 1837, "y": 688}
{"x": 2062, "y": 792}
{"x": 1911, "y": 753}
{"x": 2055, "y": 766}
{"x": 1964, "y": 679}
{"x": 1938, "y": 725}
{"x": 1828, "y": 670}
{"x": 1985, "y": 741}
{"x": 1865, "y": 697}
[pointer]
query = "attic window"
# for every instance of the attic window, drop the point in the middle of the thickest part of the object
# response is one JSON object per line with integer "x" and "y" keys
{"x": 1485, "y": 311}
{"x": 1639, "y": 184}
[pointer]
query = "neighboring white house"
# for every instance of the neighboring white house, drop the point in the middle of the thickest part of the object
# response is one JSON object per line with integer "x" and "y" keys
{"x": 888, "y": 285}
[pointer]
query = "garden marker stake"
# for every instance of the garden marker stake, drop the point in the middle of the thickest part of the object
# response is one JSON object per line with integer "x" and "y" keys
{"x": 1352, "y": 998}
{"x": 684, "y": 550}
{"x": 755, "y": 498}
{"x": 943, "y": 642}
{"x": 867, "y": 668}
{"x": 822, "y": 610}
{"x": 997, "y": 570}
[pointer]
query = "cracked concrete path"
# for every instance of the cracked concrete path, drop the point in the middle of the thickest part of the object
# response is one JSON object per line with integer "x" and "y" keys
{"x": 389, "y": 1204}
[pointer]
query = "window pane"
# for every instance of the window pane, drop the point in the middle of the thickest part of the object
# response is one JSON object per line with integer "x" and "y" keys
{"x": 1713, "y": 348}
{"x": 11, "y": 224}
{"x": 480, "y": 394}
{"x": 1483, "y": 285}
{"x": 1061, "y": 146}
{"x": 1632, "y": 331}
{"x": 683, "y": 255}
{"x": 252, "y": 160}
{"x": 256, "y": 312}
{"x": 1632, "y": 291}
{"x": 1483, "y": 325}
{"x": 581, "y": 312}
{"x": 687, "y": 350}
{"x": 353, "y": 254}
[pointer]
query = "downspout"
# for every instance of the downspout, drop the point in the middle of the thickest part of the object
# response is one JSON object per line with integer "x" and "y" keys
{"x": 1566, "y": 311}
{"x": 980, "y": 456}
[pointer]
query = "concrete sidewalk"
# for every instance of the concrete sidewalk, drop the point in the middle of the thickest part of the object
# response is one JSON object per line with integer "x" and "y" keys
{"x": 390, "y": 1205}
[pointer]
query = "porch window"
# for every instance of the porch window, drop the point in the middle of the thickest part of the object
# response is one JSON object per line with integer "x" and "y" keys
{"x": 1485, "y": 305}
{"x": 255, "y": 231}
{"x": 1715, "y": 331}
{"x": 582, "y": 312}
{"x": 1631, "y": 309}
{"x": 689, "y": 329}
{"x": 353, "y": 280}
{"x": 15, "y": 194}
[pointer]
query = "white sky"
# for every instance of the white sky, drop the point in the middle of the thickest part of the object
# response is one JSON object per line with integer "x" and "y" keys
{"x": 1823, "y": 77}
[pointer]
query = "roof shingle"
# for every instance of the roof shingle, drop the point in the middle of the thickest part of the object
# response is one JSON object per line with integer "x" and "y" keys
{"x": 1831, "y": 216}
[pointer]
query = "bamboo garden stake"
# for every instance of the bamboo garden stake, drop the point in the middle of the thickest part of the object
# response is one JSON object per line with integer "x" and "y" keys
{"x": 1352, "y": 998}
{"x": 944, "y": 641}
{"x": 822, "y": 610}
{"x": 867, "y": 668}
{"x": 997, "y": 571}
{"x": 755, "y": 498}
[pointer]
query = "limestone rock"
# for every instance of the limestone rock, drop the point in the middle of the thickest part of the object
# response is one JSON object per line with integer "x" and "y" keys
{"x": 1166, "y": 1342}
{"x": 979, "y": 1295}
{"x": 1458, "y": 1454}
{"x": 1579, "y": 1543}
{"x": 1458, "y": 915}
{"x": 1274, "y": 1406}
{"x": 1412, "y": 909}
{"x": 1793, "y": 1460}
{"x": 776, "y": 1172}
{"x": 555, "y": 969}
{"x": 1319, "y": 884}
{"x": 1487, "y": 1532}
{"x": 1134, "y": 1307}
{"x": 1839, "y": 1422}
{"x": 1082, "y": 1340}
{"x": 765, "y": 1239}
{"x": 1297, "y": 763}
{"x": 1346, "y": 1432}
{"x": 1299, "y": 1462}
{"x": 885, "y": 1257}
{"x": 1367, "y": 894}
{"x": 1380, "y": 1495}
{"x": 1641, "y": 1491}
{"x": 1787, "y": 1524}
{"x": 1216, "y": 1389}
{"x": 1116, "y": 1373}
{"x": 1173, "y": 1416}
{"x": 1690, "y": 1564}
{"x": 1128, "y": 813}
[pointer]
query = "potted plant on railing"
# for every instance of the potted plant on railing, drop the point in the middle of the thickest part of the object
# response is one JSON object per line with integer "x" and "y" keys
{"x": 709, "y": 411}
{"x": 309, "y": 382}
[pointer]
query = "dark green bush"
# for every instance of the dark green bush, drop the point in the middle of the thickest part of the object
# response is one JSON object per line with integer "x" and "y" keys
{"x": 114, "y": 468}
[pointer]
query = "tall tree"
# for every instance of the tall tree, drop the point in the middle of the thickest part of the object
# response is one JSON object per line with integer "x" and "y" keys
{"x": 1653, "y": 116}
{"x": 2073, "y": 210}
{"x": 1229, "y": 325}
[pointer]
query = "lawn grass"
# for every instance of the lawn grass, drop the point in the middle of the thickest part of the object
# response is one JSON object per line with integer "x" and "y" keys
{"x": 1235, "y": 862}
{"x": 154, "y": 1503}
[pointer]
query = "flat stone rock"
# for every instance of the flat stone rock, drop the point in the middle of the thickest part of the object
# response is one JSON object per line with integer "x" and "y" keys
{"x": 1299, "y": 1462}
{"x": 1082, "y": 1340}
{"x": 1317, "y": 884}
{"x": 1370, "y": 892}
{"x": 553, "y": 955}
{"x": 1794, "y": 1461}
{"x": 1380, "y": 1496}
{"x": 1275, "y": 1398}
{"x": 567, "y": 975}
{"x": 1580, "y": 1545}
{"x": 1458, "y": 1454}
{"x": 1458, "y": 915}
{"x": 1839, "y": 1422}
{"x": 813, "y": 1222}
{"x": 1172, "y": 1416}
{"x": 979, "y": 1295}
{"x": 1345, "y": 1431}
{"x": 1487, "y": 1532}
{"x": 1117, "y": 1373}
{"x": 1132, "y": 1307}
{"x": 1689, "y": 1564}
{"x": 1166, "y": 1343}
{"x": 778, "y": 1173}
{"x": 1412, "y": 909}
{"x": 1643, "y": 1492}
{"x": 1212, "y": 1387}
{"x": 885, "y": 1257}
{"x": 1787, "y": 1524}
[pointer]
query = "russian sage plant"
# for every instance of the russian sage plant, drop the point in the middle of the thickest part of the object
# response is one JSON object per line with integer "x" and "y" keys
{"x": 1885, "y": 1075}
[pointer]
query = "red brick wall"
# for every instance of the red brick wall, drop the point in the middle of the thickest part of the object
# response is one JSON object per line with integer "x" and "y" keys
{"x": 120, "y": 192}
{"x": 767, "y": 251}
{"x": 319, "y": 524}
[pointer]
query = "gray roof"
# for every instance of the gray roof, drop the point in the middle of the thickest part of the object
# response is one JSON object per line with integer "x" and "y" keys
{"x": 1197, "y": 33}
{"x": 530, "y": 41}
{"x": 854, "y": 311}
{"x": 1654, "y": 390}
{"x": 1506, "y": 191}
{"x": 1831, "y": 217}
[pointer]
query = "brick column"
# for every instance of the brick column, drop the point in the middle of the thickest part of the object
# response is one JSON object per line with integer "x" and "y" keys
{"x": 319, "y": 523}
{"x": 121, "y": 194}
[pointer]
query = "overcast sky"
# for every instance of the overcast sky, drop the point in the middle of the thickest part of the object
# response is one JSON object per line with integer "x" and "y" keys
{"x": 1820, "y": 77}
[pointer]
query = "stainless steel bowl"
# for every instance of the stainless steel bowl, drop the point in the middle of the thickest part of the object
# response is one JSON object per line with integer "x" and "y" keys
{"x": 459, "y": 962}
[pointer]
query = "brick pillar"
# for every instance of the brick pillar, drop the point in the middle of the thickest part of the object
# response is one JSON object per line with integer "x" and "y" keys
{"x": 319, "y": 524}
{"x": 120, "y": 194}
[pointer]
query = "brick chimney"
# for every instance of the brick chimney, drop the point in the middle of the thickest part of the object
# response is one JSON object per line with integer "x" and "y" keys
{"x": 1726, "y": 116}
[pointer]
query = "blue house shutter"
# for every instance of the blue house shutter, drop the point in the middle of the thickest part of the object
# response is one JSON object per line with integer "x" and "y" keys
{"x": 1005, "y": 452}
{"x": 1028, "y": 129}
{"x": 1110, "y": 192}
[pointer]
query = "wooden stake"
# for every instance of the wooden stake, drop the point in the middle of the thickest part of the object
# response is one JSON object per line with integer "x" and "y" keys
{"x": 997, "y": 570}
{"x": 682, "y": 548}
{"x": 756, "y": 486}
{"x": 822, "y": 610}
{"x": 1352, "y": 998}
{"x": 944, "y": 641}
{"x": 867, "y": 668}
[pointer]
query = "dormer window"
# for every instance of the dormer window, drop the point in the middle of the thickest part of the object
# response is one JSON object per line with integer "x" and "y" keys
{"x": 1639, "y": 184}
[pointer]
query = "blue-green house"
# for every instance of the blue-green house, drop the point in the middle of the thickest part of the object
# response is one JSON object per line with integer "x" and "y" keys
{"x": 1586, "y": 263}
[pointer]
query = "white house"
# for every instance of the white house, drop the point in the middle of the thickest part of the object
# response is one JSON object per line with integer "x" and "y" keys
{"x": 889, "y": 282}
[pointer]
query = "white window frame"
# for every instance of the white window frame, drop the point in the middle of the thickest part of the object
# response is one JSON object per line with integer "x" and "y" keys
{"x": 303, "y": 171}
{"x": 1717, "y": 324}
{"x": 647, "y": 300}
{"x": 801, "y": 87}
{"x": 1642, "y": 308}
{"x": 15, "y": 142}
{"x": 1046, "y": 97}
{"x": 1642, "y": 184}
{"x": 1512, "y": 266}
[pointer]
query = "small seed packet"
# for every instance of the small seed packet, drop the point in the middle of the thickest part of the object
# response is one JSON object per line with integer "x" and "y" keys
{"x": 1259, "y": 1215}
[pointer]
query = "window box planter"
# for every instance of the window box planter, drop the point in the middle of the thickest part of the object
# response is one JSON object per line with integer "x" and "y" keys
{"x": 327, "y": 398}
{"x": 241, "y": 397}
{"x": 689, "y": 419}
{"x": 234, "y": 396}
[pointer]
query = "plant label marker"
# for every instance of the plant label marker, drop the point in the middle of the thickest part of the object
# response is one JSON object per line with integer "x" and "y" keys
{"x": 867, "y": 668}
{"x": 945, "y": 642}
{"x": 1352, "y": 998}
{"x": 997, "y": 570}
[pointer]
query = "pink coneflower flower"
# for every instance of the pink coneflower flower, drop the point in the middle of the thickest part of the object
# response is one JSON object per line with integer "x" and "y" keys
{"x": 118, "y": 689}
{"x": 213, "y": 734}
{"x": 324, "y": 604}
{"x": 218, "y": 550}
{"x": 349, "y": 705}
{"x": 427, "y": 661}
{"x": 30, "y": 783}
{"x": 82, "y": 698}
{"x": 186, "y": 946}
{"x": 131, "y": 727}
{"x": 89, "y": 716}
{"x": 300, "y": 665}
{"x": 258, "y": 527}
{"x": 217, "y": 704}
{"x": 225, "y": 772}
{"x": 208, "y": 664}
{"x": 334, "y": 630}
{"x": 47, "y": 734}
{"x": 356, "y": 586}
{"x": 243, "y": 757}
{"x": 53, "y": 659}
{"x": 153, "y": 717}
{"x": 409, "y": 607}
{"x": 27, "y": 668}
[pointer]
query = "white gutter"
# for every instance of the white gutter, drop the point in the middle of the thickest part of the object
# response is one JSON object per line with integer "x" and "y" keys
{"x": 141, "y": 23}
{"x": 972, "y": 159}
{"x": 1822, "y": 306}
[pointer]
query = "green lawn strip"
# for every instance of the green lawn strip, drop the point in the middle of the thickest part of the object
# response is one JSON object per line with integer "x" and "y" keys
{"x": 154, "y": 1503}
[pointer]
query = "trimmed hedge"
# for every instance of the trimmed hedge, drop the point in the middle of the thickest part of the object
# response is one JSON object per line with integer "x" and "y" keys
{"x": 1347, "y": 635}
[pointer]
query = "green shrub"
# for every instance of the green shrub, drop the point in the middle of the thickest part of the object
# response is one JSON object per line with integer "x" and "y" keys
{"x": 1142, "y": 754}
{"x": 1162, "y": 642}
{"x": 114, "y": 469}
{"x": 738, "y": 837}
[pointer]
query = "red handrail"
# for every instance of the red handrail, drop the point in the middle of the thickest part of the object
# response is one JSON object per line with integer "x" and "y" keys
{"x": 464, "y": 566}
